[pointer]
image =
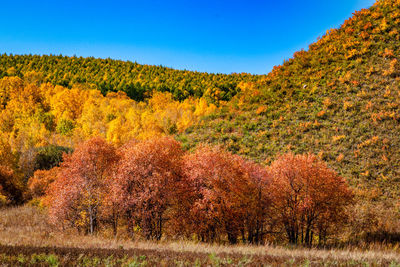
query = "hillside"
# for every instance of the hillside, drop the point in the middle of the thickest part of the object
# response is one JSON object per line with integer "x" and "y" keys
{"x": 339, "y": 99}
{"x": 136, "y": 80}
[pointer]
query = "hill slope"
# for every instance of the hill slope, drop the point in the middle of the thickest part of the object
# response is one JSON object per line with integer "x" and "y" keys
{"x": 340, "y": 99}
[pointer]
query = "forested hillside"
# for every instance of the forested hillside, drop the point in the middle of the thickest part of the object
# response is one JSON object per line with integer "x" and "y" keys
{"x": 136, "y": 80}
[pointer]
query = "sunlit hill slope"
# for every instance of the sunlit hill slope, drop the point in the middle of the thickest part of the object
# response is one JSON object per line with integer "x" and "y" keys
{"x": 339, "y": 99}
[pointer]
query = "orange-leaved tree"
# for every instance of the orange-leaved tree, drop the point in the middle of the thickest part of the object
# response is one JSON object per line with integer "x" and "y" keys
{"x": 83, "y": 181}
{"x": 11, "y": 187}
{"x": 147, "y": 183}
{"x": 11, "y": 183}
{"x": 257, "y": 218}
{"x": 230, "y": 195}
{"x": 308, "y": 197}
{"x": 41, "y": 180}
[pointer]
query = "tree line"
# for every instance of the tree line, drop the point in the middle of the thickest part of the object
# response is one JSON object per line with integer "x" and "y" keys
{"x": 154, "y": 189}
{"x": 136, "y": 80}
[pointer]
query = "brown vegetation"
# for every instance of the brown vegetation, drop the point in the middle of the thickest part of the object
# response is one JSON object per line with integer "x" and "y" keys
{"x": 24, "y": 231}
{"x": 153, "y": 188}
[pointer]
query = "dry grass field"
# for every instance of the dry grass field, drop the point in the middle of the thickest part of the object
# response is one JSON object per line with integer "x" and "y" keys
{"x": 27, "y": 239}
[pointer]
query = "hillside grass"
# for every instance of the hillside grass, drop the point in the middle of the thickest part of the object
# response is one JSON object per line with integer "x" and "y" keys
{"x": 340, "y": 99}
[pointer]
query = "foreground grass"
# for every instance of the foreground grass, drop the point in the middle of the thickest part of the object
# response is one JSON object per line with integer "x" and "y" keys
{"x": 27, "y": 239}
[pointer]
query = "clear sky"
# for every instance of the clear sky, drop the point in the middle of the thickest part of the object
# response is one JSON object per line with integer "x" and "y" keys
{"x": 204, "y": 35}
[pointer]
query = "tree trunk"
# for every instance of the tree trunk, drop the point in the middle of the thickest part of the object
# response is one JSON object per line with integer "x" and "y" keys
{"x": 159, "y": 228}
{"x": 115, "y": 223}
{"x": 91, "y": 220}
{"x": 130, "y": 223}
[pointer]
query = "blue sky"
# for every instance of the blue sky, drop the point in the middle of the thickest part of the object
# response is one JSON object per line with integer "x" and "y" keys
{"x": 214, "y": 36}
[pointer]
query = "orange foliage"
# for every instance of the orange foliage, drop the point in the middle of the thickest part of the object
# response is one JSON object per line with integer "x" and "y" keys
{"x": 148, "y": 182}
{"x": 41, "y": 180}
{"x": 77, "y": 195}
{"x": 308, "y": 197}
{"x": 10, "y": 187}
{"x": 230, "y": 195}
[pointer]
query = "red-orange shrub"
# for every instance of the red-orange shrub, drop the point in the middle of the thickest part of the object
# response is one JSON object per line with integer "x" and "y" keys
{"x": 309, "y": 198}
{"x": 78, "y": 193}
{"x": 230, "y": 195}
{"x": 147, "y": 183}
{"x": 41, "y": 180}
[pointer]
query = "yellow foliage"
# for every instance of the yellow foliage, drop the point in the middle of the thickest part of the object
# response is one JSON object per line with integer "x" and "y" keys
{"x": 368, "y": 142}
{"x": 337, "y": 138}
{"x": 261, "y": 109}
{"x": 340, "y": 157}
{"x": 347, "y": 105}
{"x": 3, "y": 200}
{"x": 30, "y": 114}
{"x": 7, "y": 85}
{"x": 6, "y": 156}
{"x": 327, "y": 102}
{"x": 68, "y": 103}
{"x": 321, "y": 113}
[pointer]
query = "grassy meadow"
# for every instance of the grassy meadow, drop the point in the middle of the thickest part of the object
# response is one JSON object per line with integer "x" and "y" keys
{"x": 27, "y": 238}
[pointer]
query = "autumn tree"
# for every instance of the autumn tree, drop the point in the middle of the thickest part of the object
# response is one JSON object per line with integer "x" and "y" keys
{"x": 230, "y": 195}
{"x": 7, "y": 85}
{"x": 308, "y": 197}
{"x": 11, "y": 186}
{"x": 6, "y": 176}
{"x": 147, "y": 182}
{"x": 39, "y": 183}
{"x": 83, "y": 180}
{"x": 258, "y": 219}
{"x": 11, "y": 183}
